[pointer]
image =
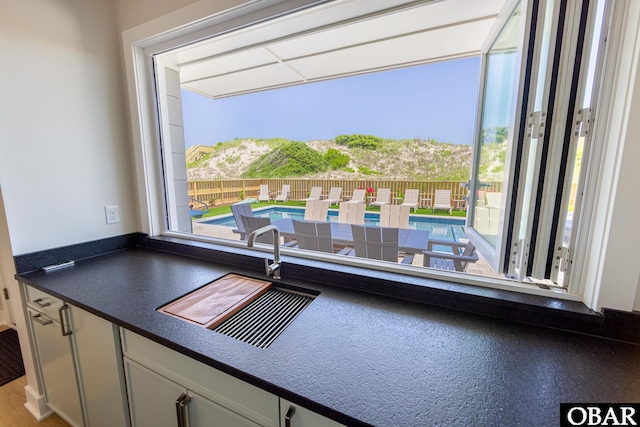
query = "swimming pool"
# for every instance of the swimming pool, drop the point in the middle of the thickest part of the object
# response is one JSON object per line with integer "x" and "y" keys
{"x": 450, "y": 229}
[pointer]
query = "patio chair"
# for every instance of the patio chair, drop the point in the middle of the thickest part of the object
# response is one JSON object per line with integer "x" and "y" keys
{"x": 394, "y": 216}
{"x": 252, "y": 223}
{"x": 411, "y": 199}
{"x": 358, "y": 196}
{"x": 443, "y": 201}
{"x": 283, "y": 195}
{"x": 314, "y": 194}
{"x": 351, "y": 213}
{"x": 316, "y": 210}
{"x": 263, "y": 196}
{"x": 382, "y": 197}
{"x": 335, "y": 196}
{"x": 377, "y": 243}
{"x": 314, "y": 236}
{"x": 462, "y": 254}
{"x": 239, "y": 209}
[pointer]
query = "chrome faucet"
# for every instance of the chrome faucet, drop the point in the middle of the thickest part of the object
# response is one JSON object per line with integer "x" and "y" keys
{"x": 270, "y": 269}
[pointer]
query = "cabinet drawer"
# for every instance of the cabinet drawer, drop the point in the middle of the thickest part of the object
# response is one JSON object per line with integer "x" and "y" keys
{"x": 42, "y": 302}
{"x": 234, "y": 394}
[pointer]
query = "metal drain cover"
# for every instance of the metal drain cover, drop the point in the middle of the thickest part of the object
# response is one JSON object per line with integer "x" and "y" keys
{"x": 260, "y": 322}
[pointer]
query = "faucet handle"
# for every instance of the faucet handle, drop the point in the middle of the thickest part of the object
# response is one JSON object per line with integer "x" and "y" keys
{"x": 267, "y": 267}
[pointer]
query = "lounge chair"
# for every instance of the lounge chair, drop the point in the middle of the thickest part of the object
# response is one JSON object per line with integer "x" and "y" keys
{"x": 316, "y": 210}
{"x": 358, "y": 196}
{"x": 314, "y": 194}
{"x": 377, "y": 243}
{"x": 487, "y": 216}
{"x": 252, "y": 223}
{"x": 394, "y": 216}
{"x": 411, "y": 199}
{"x": 239, "y": 209}
{"x": 454, "y": 261}
{"x": 494, "y": 199}
{"x": 283, "y": 195}
{"x": 382, "y": 197}
{"x": 335, "y": 196}
{"x": 263, "y": 196}
{"x": 443, "y": 201}
{"x": 351, "y": 213}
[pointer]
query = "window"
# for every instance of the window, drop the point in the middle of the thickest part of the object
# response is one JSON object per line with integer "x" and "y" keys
{"x": 532, "y": 63}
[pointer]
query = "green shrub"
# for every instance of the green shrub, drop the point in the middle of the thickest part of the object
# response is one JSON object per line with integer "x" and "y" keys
{"x": 200, "y": 161}
{"x": 494, "y": 135}
{"x": 366, "y": 171}
{"x": 289, "y": 159}
{"x": 368, "y": 142}
{"x": 335, "y": 159}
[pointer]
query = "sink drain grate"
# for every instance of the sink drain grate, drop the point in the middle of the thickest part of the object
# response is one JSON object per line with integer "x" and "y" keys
{"x": 264, "y": 319}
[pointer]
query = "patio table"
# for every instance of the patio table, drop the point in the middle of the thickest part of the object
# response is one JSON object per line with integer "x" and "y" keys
{"x": 409, "y": 241}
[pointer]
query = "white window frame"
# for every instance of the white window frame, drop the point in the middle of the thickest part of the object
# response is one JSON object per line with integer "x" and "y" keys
{"x": 205, "y": 18}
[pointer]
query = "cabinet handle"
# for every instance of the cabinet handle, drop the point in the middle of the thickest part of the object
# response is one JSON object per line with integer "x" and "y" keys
{"x": 36, "y": 318}
{"x": 184, "y": 404}
{"x": 42, "y": 303}
{"x": 65, "y": 332}
{"x": 287, "y": 418}
{"x": 180, "y": 410}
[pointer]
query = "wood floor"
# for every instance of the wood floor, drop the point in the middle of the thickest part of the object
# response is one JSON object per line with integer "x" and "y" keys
{"x": 12, "y": 410}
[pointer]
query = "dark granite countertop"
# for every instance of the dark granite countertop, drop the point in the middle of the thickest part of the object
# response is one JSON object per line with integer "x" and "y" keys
{"x": 360, "y": 358}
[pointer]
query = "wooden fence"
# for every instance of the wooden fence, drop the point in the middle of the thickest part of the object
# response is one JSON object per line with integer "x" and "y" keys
{"x": 227, "y": 191}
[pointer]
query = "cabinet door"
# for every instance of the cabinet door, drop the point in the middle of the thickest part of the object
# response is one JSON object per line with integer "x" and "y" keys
{"x": 56, "y": 367}
{"x": 292, "y": 415}
{"x": 99, "y": 369}
{"x": 152, "y": 398}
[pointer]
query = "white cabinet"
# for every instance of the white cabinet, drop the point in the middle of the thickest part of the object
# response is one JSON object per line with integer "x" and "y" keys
{"x": 56, "y": 366}
{"x": 79, "y": 361}
{"x": 292, "y": 415}
{"x": 160, "y": 379}
{"x": 99, "y": 369}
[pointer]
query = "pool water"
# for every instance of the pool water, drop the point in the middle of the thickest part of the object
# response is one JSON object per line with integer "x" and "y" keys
{"x": 450, "y": 229}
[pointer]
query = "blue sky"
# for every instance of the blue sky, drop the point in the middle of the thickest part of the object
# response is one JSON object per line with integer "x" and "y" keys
{"x": 429, "y": 101}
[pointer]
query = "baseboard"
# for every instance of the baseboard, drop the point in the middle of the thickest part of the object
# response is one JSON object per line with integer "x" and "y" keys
{"x": 36, "y": 405}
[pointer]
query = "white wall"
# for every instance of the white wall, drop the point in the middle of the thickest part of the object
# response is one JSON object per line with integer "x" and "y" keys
{"x": 131, "y": 13}
{"x": 64, "y": 149}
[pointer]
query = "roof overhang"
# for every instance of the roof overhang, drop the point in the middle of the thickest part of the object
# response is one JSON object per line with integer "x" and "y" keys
{"x": 335, "y": 39}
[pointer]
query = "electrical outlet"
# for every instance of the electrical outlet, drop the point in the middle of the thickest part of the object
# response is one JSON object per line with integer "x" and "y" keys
{"x": 113, "y": 214}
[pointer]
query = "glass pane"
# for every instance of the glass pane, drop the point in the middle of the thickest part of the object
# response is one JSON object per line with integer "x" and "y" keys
{"x": 536, "y": 141}
{"x": 575, "y": 163}
{"x": 500, "y": 82}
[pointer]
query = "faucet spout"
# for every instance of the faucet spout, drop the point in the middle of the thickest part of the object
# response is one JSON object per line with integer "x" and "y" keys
{"x": 274, "y": 268}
